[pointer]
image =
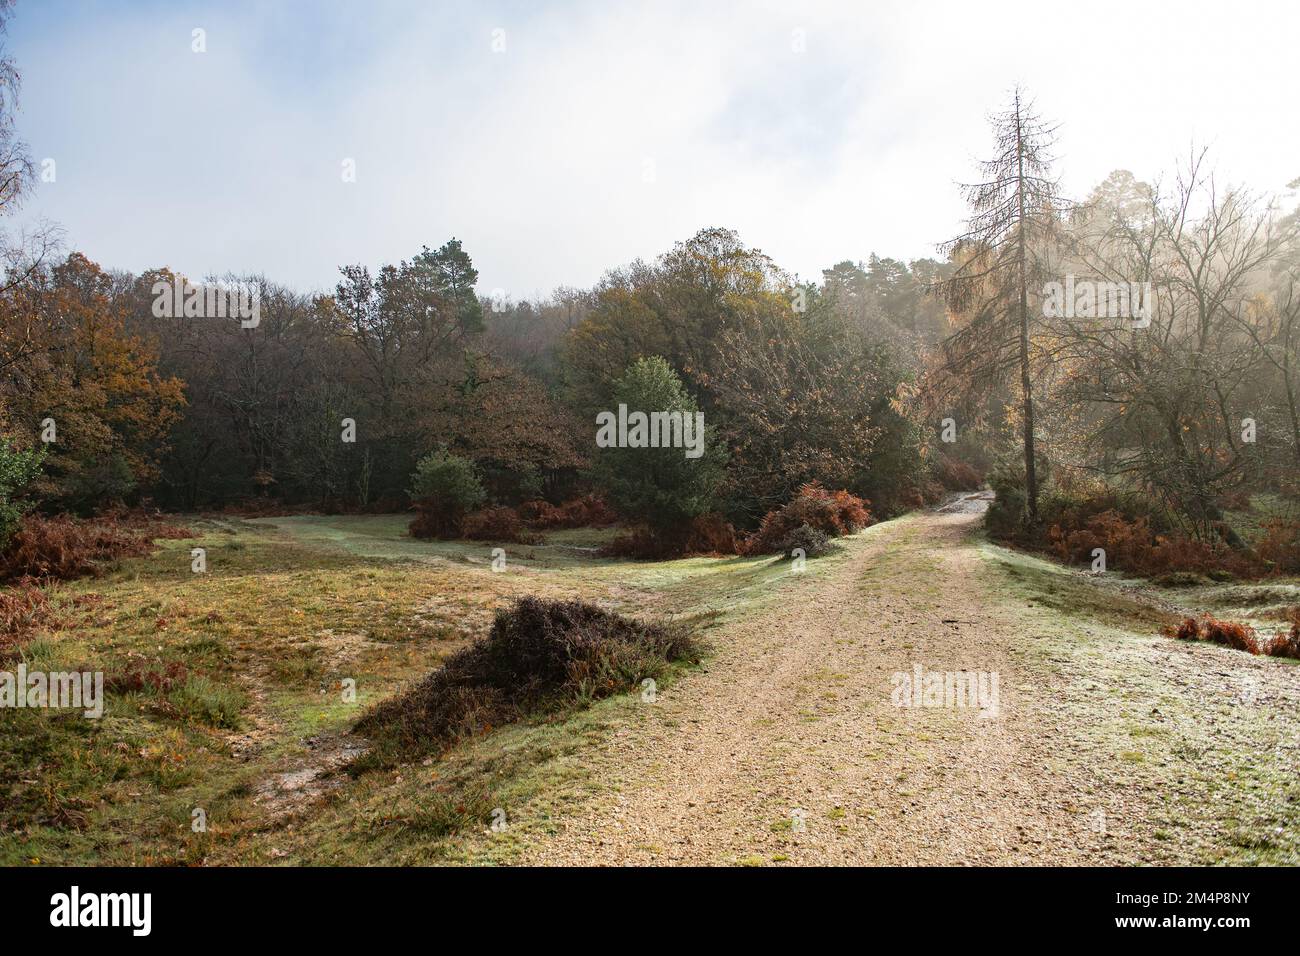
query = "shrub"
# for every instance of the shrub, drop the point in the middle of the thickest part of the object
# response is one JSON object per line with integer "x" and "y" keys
{"x": 1127, "y": 541}
{"x": 588, "y": 511}
{"x": 1286, "y": 645}
{"x": 497, "y": 524}
{"x": 832, "y": 513}
{"x": 140, "y": 678}
{"x": 444, "y": 488}
{"x": 912, "y": 498}
{"x": 205, "y": 701}
{"x": 708, "y": 534}
{"x": 1006, "y": 511}
{"x": 1131, "y": 545}
{"x": 1280, "y": 545}
{"x": 954, "y": 474}
{"x": 540, "y": 657}
{"x": 541, "y": 514}
{"x": 1078, "y": 515}
{"x": 814, "y": 542}
{"x": 1241, "y": 637}
{"x": 17, "y": 470}
{"x": 711, "y": 534}
{"x": 646, "y": 544}
{"x": 62, "y": 547}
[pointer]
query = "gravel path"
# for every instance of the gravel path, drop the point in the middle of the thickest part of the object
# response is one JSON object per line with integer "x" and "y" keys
{"x": 789, "y": 747}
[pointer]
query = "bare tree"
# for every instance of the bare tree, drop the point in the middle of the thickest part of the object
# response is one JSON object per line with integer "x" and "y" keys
{"x": 1161, "y": 408}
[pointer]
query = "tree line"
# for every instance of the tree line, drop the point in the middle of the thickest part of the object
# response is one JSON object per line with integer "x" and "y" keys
{"x": 798, "y": 382}
{"x": 1135, "y": 351}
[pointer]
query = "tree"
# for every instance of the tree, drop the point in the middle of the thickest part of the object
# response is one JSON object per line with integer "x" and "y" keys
{"x": 677, "y": 307}
{"x": 100, "y": 384}
{"x": 452, "y": 272}
{"x": 408, "y": 328}
{"x": 20, "y": 337}
{"x": 509, "y": 426}
{"x": 999, "y": 258}
{"x": 445, "y": 488}
{"x": 1161, "y": 409}
{"x": 660, "y": 486}
{"x": 806, "y": 396}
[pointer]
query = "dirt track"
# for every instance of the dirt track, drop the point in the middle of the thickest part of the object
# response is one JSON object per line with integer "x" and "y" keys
{"x": 789, "y": 747}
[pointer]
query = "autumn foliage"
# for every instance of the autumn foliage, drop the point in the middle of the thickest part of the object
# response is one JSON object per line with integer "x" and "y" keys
{"x": 1240, "y": 637}
{"x": 62, "y": 547}
{"x": 1279, "y": 547}
{"x": 1131, "y": 545}
{"x": 498, "y": 523}
{"x": 95, "y": 378}
{"x": 834, "y": 513}
{"x": 586, "y": 511}
{"x": 22, "y": 606}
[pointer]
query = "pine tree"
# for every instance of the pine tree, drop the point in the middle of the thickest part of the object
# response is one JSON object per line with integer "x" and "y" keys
{"x": 1015, "y": 211}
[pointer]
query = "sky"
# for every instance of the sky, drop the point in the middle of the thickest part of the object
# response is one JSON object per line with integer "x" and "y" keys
{"x": 558, "y": 140}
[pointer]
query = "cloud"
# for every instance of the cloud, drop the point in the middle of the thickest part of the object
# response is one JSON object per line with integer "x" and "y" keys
{"x": 604, "y": 132}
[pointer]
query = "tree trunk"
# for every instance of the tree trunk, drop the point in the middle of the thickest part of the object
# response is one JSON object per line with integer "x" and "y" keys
{"x": 1031, "y": 474}
{"x": 1026, "y": 389}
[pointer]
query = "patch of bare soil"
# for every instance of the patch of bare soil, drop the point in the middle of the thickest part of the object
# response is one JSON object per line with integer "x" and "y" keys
{"x": 292, "y": 790}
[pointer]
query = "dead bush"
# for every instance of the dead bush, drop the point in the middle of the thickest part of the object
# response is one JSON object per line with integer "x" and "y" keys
{"x": 1280, "y": 545}
{"x": 1286, "y": 645}
{"x": 707, "y": 535}
{"x": 1241, "y": 637}
{"x": 62, "y": 548}
{"x": 711, "y": 534}
{"x": 1131, "y": 545}
{"x": 540, "y": 657}
{"x": 645, "y": 544}
{"x": 541, "y": 514}
{"x": 587, "y": 511}
{"x": 497, "y": 524}
{"x": 833, "y": 513}
{"x": 432, "y": 524}
{"x": 138, "y": 678}
{"x": 954, "y": 474}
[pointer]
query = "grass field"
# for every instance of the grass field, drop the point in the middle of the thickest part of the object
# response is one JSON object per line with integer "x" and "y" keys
{"x": 253, "y": 723}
